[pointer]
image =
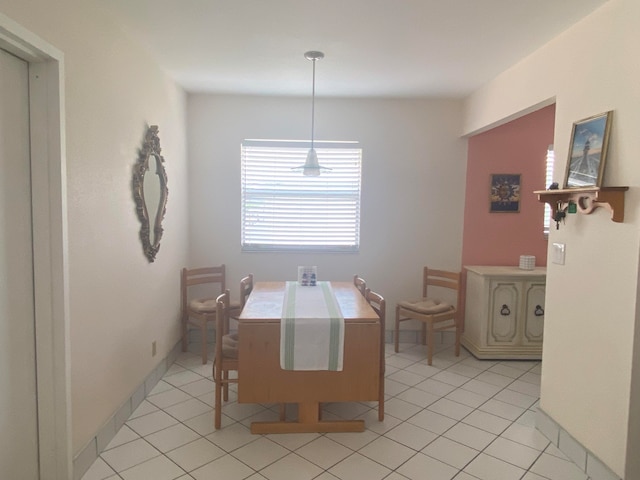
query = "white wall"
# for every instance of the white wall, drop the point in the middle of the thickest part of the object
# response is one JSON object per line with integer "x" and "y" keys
{"x": 119, "y": 303}
{"x": 413, "y": 179}
{"x": 591, "y": 308}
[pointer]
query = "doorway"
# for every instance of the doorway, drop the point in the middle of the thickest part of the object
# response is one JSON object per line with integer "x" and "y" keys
{"x": 37, "y": 310}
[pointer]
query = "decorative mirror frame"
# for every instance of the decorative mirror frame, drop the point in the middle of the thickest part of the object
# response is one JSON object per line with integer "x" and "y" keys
{"x": 150, "y": 150}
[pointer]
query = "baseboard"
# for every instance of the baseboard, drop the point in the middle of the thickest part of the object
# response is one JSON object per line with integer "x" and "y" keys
{"x": 88, "y": 455}
{"x": 586, "y": 461}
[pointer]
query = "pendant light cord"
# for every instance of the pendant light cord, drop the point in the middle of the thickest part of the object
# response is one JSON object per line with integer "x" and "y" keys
{"x": 313, "y": 100}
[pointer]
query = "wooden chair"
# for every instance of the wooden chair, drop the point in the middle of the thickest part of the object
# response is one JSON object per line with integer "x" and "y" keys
{"x": 434, "y": 314}
{"x": 246, "y": 287}
{"x": 200, "y": 311}
{"x": 226, "y": 356}
{"x": 379, "y": 305}
{"x": 360, "y": 284}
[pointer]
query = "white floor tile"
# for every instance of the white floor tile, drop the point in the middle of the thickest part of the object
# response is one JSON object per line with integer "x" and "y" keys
{"x": 240, "y": 411}
{"x": 525, "y": 435}
{"x": 160, "y": 387}
{"x": 502, "y": 409}
{"x": 436, "y": 387}
{"x": 512, "y": 452}
{"x": 555, "y": 468}
{"x": 486, "y": 421}
{"x": 144, "y": 408}
{"x": 181, "y": 378}
{"x": 129, "y": 455}
{"x": 464, "y": 370}
{"x": 189, "y": 409}
{"x": 430, "y": 426}
{"x": 389, "y": 453}
{"x": 406, "y": 377}
{"x": 467, "y": 398}
{"x": 525, "y": 387}
{"x": 371, "y": 422}
{"x": 124, "y": 435}
{"x": 172, "y": 437}
{"x": 481, "y": 388}
{"x": 470, "y": 436}
{"x": 423, "y": 370}
{"x": 486, "y": 467}
{"x": 260, "y": 453}
{"x": 418, "y": 465}
{"x": 232, "y": 437}
{"x": 195, "y": 454}
{"x": 224, "y": 468}
{"x": 199, "y": 387}
{"x": 400, "y": 408}
{"x": 292, "y": 441}
{"x": 451, "y": 409}
{"x": 418, "y": 397}
{"x": 432, "y": 421}
{"x": 358, "y": 467}
{"x": 158, "y": 468}
{"x": 203, "y": 424}
{"x": 451, "y": 378}
{"x": 354, "y": 441}
{"x": 324, "y": 452}
{"x": 515, "y": 398}
{"x": 393, "y": 388}
{"x": 100, "y": 470}
{"x": 450, "y": 452}
{"x": 291, "y": 467}
{"x": 168, "y": 397}
{"x": 151, "y": 423}
{"x": 506, "y": 370}
{"x": 494, "y": 378}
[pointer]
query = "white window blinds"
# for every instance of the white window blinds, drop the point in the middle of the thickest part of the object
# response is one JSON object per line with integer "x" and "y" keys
{"x": 283, "y": 210}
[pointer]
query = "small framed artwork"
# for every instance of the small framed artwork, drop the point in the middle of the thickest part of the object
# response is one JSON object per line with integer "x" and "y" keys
{"x": 588, "y": 151}
{"x": 505, "y": 193}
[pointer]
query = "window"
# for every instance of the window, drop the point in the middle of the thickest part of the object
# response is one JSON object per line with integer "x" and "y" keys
{"x": 283, "y": 210}
{"x": 548, "y": 179}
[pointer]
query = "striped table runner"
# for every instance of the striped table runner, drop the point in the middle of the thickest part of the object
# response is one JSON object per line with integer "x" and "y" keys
{"x": 311, "y": 329}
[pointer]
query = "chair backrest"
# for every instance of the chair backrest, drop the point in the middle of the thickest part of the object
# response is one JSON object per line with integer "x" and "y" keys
{"x": 378, "y": 303}
{"x": 441, "y": 278}
{"x": 360, "y": 284}
{"x": 202, "y": 275}
{"x": 246, "y": 287}
{"x": 222, "y": 320}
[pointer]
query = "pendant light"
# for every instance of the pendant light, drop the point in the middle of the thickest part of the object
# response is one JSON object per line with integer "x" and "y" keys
{"x": 311, "y": 167}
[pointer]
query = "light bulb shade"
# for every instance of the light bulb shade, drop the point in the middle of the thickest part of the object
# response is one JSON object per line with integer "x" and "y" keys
{"x": 311, "y": 166}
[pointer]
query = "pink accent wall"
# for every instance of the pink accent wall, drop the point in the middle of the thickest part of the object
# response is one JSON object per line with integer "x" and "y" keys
{"x": 518, "y": 147}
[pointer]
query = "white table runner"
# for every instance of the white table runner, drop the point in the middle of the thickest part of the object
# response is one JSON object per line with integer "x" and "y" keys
{"x": 311, "y": 329}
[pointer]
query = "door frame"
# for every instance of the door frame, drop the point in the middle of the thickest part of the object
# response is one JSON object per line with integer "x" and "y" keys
{"x": 50, "y": 246}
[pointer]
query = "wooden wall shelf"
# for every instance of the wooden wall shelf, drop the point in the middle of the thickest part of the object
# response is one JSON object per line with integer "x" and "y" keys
{"x": 587, "y": 199}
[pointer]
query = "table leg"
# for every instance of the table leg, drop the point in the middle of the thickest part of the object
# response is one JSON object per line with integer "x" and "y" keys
{"x": 308, "y": 422}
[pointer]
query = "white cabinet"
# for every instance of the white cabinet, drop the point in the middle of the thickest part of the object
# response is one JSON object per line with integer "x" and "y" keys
{"x": 504, "y": 312}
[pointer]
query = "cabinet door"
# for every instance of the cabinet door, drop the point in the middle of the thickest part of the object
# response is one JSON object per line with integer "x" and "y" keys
{"x": 503, "y": 313}
{"x": 534, "y": 313}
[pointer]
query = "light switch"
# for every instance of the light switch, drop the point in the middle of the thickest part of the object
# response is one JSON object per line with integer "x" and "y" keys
{"x": 557, "y": 254}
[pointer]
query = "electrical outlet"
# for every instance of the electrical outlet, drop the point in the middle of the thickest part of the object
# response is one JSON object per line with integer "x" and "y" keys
{"x": 153, "y": 348}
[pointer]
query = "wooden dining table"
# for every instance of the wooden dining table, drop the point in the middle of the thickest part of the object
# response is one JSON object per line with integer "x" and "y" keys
{"x": 262, "y": 380}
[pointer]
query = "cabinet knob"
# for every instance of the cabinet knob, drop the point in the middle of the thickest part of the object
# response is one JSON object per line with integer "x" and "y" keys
{"x": 539, "y": 311}
{"x": 504, "y": 311}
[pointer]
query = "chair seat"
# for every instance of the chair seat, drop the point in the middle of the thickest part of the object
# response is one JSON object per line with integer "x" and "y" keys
{"x": 230, "y": 345}
{"x": 428, "y": 306}
{"x": 203, "y": 305}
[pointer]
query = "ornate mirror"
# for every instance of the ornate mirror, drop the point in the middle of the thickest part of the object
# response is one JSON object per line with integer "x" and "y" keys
{"x": 150, "y": 192}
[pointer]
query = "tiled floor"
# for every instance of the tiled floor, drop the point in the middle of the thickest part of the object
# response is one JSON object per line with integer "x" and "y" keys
{"x": 461, "y": 419}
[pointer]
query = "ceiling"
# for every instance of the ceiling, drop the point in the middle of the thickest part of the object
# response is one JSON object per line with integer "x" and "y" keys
{"x": 373, "y": 48}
